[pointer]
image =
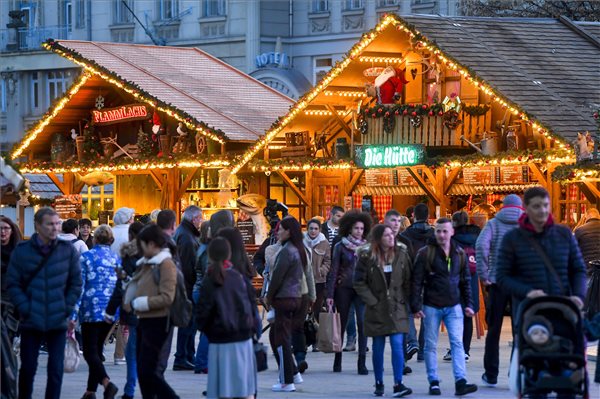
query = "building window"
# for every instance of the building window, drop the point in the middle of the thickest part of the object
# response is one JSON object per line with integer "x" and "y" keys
{"x": 353, "y": 5}
{"x": 3, "y": 95}
{"x": 214, "y": 8}
{"x": 35, "y": 92}
{"x": 79, "y": 14}
{"x": 320, "y": 6}
{"x": 168, "y": 9}
{"x": 30, "y": 14}
{"x": 121, "y": 14}
{"x": 56, "y": 84}
{"x": 321, "y": 68}
{"x": 386, "y": 3}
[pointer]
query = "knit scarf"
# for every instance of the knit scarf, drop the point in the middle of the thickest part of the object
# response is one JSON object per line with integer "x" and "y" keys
{"x": 312, "y": 242}
{"x": 352, "y": 243}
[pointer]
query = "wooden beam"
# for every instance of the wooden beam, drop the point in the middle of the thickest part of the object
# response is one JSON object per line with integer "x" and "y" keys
{"x": 593, "y": 189}
{"x": 539, "y": 175}
{"x": 450, "y": 179}
{"x": 186, "y": 182}
{"x": 413, "y": 172}
{"x": 158, "y": 178}
{"x": 57, "y": 182}
{"x": 354, "y": 181}
{"x": 339, "y": 120}
{"x": 293, "y": 187}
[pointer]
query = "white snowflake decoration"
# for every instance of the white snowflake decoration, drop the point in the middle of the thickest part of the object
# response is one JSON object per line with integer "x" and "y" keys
{"x": 99, "y": 102}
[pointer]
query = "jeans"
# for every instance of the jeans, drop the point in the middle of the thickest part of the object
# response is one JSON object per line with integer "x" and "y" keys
{"x": 186, "y": 343}
{"x": 411, "y": 337}
{"x": 452, "y": 317}
{"x": 151, "y": 337}
{"x": 201, "y": 359}
{"x": 343, "y": 299}
{"x": 131, "y": 362}
{"x": 93, "y": 336}
{"x": 496, "y": 303}
{"x": 351, "y": 324}
{"x": 397, "y": 344}
{"x": 31, "y": 341}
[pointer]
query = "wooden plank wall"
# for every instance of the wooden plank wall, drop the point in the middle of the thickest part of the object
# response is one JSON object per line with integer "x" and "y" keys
{"x": 138, "y": 192}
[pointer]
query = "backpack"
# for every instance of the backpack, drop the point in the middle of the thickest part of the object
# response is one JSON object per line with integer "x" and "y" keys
{"x": 470, "y": 259}
{"x": 180, "y": 312}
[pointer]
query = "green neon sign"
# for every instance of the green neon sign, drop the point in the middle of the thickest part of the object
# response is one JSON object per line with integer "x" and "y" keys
{"x": 388, "y": 156}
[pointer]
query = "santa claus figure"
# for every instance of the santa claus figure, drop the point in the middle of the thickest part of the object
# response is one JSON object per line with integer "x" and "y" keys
{"x": 389, "y": 84}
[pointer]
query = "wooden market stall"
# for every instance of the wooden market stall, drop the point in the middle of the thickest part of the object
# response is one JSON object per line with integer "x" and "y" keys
{"x": 454, "y": 112}
{"x": 149, "y": 127}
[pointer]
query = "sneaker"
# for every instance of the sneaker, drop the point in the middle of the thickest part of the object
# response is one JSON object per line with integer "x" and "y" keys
{"x": 448, "y": 356}
{"x": 91, "y": 395}
{"x": 434, "y": 388}
{"x": 350, "y": 344}
{"x": 407, "y": 370}
{"x": 420, "y": 357}
{"x": 489, "y": 381}
{"x": 120, "y": 362}
{"x": 283, "y": 387}
{"x": 462, "y": 388}
{"x": 315, "y": 349}
{"x": 467, "y": 358}
{"x": 298, "y": 378}
{"x": 401, "y": 390}
{"x": 378, "y": 389}
{"x": 302, "y": 366}
{"x": 182, "y": 366}
{"x": 411, "y": 351}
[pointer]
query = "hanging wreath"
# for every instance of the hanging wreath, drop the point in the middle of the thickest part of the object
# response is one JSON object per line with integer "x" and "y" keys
{"x": 416, "y": 121}
{"x": 389, "y": 122}
{"x": 451, "y": 119}
{"x": 363, "y": 125}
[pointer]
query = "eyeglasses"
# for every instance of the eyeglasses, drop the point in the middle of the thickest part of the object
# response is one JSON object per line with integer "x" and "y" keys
{"x": 5, "y": 228}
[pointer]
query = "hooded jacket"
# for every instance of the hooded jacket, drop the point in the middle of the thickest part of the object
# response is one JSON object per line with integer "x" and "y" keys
{"x": 386, "y": 305}
{"x": 77, "y": 242}
{"x": 588, "y": 237}
{"x": 186, "y": 238}
{"x": 521, "y": 270}
{"x": 49, "y": 299}
{"x": 319, "y": 255}
{"x": 419, "y": 233}
{"x": 488, "y": 242}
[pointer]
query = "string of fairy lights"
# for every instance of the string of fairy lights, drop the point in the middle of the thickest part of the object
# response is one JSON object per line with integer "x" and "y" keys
{"x": 355, "y": 54}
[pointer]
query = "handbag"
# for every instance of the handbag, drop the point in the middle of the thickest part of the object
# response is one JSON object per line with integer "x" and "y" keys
{"x": 72, "y": 356}
{"x": 311, "y": 329}
{"x": 261, "y": 356}
{"x": 330, "y": 332}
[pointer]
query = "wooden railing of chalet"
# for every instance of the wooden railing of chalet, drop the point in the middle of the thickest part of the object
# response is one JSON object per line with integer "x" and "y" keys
{"x": 431, "y": 132}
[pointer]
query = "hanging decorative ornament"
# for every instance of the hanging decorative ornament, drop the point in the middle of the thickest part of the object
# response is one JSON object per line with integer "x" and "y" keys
{"x": 99, "y": 102}
{"x": 452, "y": 103}
{"x": 156, "y": 122}
{"x": 389, "y": 122}
{"x": 416, "y": 121}
{"x": 363, "y": 125}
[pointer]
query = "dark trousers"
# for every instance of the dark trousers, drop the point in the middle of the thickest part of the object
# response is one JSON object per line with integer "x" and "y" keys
{"x": 151, "y": 336}
{"x": 93, "y": 336}
{"x": 495, "y": 305}
{"x": 31, "y": 340}
{"x": 467, "y": 334}
{"x": 286, "y": 310}
{"x": 186, "y": 344}
{"x": 298, "y": 337}
{"x": 165, "y": 352}
{"x": 343, "y": 297}
{"x": 321, "y": 291}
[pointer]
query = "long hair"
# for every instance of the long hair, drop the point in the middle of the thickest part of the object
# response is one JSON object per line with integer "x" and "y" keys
{"x": 377, "y": 251}
{"x": 239, "y": 256}
{"x": 293, "y": 226}
{"x": 218, "y": 252}
{"x": 350, "y": 218}
{"x": 152, "y": 233}
{"x": 15, "y": 236}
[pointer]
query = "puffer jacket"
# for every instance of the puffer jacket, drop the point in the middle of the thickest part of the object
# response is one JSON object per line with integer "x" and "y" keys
{"x": 465, "y": 237}
{"x": 488, "y": 242}
{"x": 99, "y": 275}
{"x": 287, "y": 274}
{"x": 521, "y": 270}
{"x": 320, "y": 256}
{"x": 386, "y": 305}
{"x": 588, "y": 237}
{"x": 158, "y": 297}
{"x": 48, "y": 300}
{"x": 129, "y": 258}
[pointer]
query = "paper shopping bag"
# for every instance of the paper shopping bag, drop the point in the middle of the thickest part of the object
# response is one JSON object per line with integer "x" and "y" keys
{"x": 330, "y": 332}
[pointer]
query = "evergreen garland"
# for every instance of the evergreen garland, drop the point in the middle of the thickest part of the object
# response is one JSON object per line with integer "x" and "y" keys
{"x": 147, "y": 144}
{"x": 92, "y": 148}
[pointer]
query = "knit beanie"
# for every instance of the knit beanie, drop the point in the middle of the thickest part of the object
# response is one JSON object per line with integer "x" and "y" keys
{"x": 122, "y": 215}
{"x": 512, "y": 200}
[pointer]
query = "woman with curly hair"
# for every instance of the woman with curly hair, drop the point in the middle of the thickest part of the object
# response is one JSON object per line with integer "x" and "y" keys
{"x": 354, "y": 228}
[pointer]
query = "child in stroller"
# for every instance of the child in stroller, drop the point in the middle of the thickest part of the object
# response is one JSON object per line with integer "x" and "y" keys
{"x": 551, "y": 349}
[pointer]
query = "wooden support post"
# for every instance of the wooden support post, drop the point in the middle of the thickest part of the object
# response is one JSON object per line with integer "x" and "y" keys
{"x": 413, "y": 170}
{"x": 57, "y": 182}
{"x": 539, "y": 175}
{"x": 340, "y": 121}
{"x": 293, "y": 187}
{"x": 158, "y": 178}
{"x": 593, "y": 189}
{"x": 186, "y": 182}
{"x": 170, "y": 191}
{"x": 354, "y": 181}
{"x": 440, "y": 186}
{"x": 308, "y": 189}
{"x": 450, "y": 179}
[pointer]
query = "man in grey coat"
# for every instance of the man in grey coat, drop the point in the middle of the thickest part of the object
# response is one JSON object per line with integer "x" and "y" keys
{"x": 486, "y": 249}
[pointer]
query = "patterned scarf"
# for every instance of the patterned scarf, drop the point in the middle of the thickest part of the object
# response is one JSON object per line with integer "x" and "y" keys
{"x": 352, "y": 243}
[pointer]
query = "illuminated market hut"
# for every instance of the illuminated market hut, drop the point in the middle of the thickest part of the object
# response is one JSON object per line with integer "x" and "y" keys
{"x": 161, "y": 125}
{"x": 455, "y": 112}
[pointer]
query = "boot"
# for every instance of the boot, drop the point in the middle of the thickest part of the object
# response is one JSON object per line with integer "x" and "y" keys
{"x": 362, "y": 368}
{"x": 337, "y": 363}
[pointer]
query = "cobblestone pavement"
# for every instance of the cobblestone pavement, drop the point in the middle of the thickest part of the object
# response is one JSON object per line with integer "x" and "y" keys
{"x": 319, "y": 380}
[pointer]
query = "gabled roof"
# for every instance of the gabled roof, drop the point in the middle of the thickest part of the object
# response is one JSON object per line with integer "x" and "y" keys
{"x": 542, "y": 69}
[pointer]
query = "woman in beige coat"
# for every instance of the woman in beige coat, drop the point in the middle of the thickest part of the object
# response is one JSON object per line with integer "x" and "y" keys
{"x": 382, "y": 280}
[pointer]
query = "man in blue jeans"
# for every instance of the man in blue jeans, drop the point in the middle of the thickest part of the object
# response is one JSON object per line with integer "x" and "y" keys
{"x": 441, "y": 275}
{"x": 44, "y": 283}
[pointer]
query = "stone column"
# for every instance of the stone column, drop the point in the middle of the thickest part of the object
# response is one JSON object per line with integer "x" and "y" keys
{"x": 252, "y": 33}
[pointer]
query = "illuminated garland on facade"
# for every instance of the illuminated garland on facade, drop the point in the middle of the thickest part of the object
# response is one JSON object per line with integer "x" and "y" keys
{"x": 136, "y": 91}
{"x": 300, "y": 164}
{"x": 575, "y": 173}
{"x": 504, "y": 158}
{"x": 354, "y": 53}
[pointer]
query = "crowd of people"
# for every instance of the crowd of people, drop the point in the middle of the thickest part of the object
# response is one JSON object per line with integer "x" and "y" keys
{"x": 380, "y": 276}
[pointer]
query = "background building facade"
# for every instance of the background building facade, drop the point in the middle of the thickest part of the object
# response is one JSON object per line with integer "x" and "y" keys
{"x": 287, "y": 44}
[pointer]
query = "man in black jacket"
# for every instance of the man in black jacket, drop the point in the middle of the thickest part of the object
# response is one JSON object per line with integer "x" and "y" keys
{"x": 440, "y": 273}
{"x": 187, "y": 239}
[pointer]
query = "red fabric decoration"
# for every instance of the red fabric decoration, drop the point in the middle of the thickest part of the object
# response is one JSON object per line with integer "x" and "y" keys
{"x": 155, "y": 118}
{"x": 392, "y": 87}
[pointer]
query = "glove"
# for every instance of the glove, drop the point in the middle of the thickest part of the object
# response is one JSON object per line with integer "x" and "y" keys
{"x": 140, "y": 304}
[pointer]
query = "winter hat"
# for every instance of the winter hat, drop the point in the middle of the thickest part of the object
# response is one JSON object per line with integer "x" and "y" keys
{"x": 512, "y": 200}
{"x": 122, "y": 215}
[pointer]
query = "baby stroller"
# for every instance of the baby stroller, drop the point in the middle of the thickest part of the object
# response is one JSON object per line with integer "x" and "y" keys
{"x": 551, "y": 349}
